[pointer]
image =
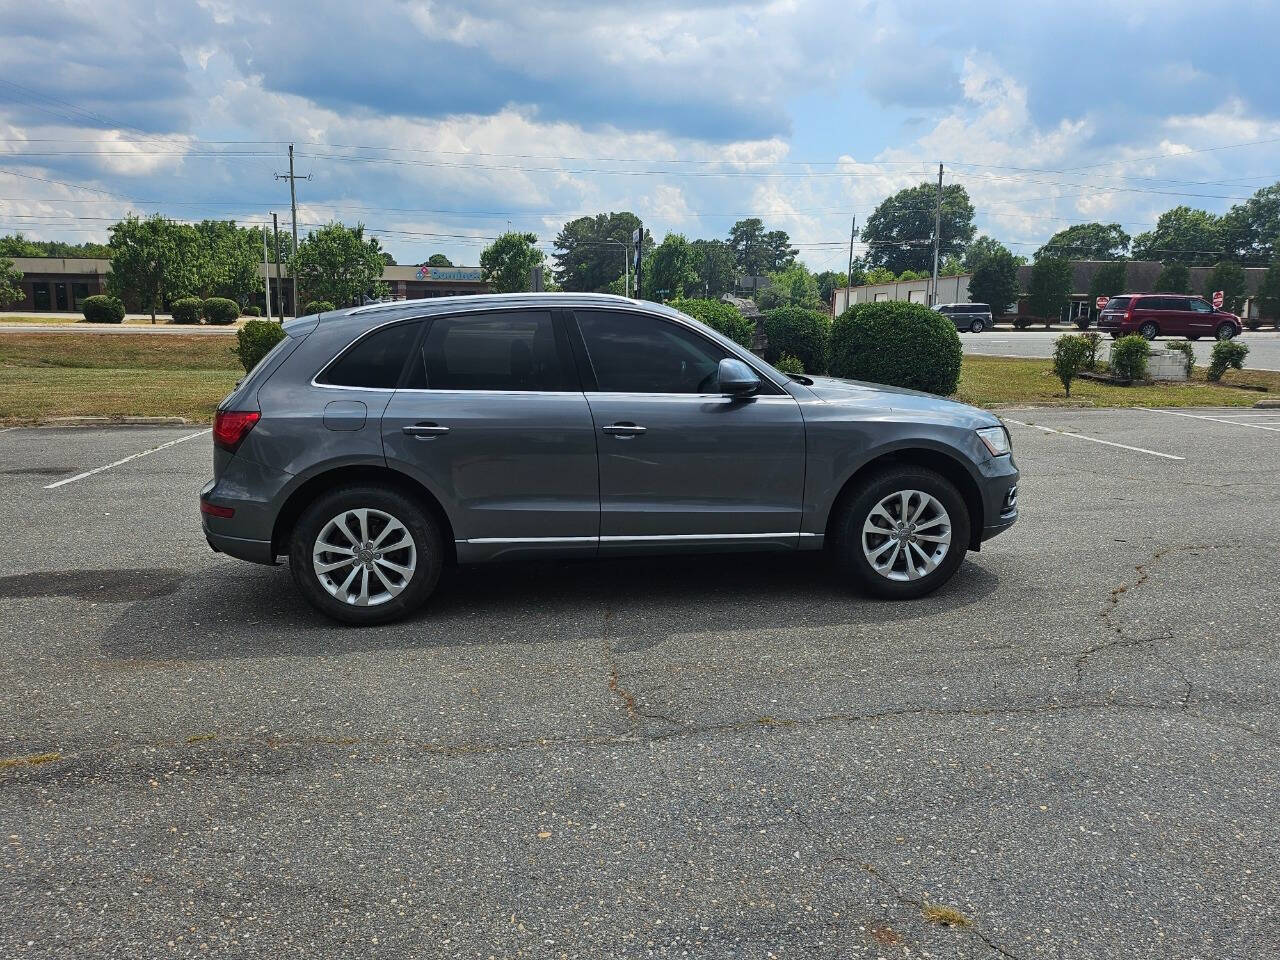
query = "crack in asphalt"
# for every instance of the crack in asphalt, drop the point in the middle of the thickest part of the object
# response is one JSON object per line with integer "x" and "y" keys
{"x": 634, "y": 713}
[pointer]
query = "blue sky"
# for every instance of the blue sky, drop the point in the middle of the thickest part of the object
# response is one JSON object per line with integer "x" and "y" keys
{"x": 437, "y": 124}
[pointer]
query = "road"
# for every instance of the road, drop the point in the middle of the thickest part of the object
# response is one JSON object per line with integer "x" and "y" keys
{"x": 1075, "y": 743}
{"x": 1264, "y": 346}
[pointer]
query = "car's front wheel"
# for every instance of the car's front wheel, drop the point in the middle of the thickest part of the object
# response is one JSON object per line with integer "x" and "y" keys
{"x": 365, "y": 554}
{"x": 903, "y": 534}
{"x": 1225, "y": 331}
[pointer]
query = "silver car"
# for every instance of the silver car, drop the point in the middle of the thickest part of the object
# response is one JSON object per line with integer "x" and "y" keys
{"x": 375, "y": 445}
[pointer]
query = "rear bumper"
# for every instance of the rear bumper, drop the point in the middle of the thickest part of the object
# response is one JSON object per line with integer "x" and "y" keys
{"x": 255, "y": 551}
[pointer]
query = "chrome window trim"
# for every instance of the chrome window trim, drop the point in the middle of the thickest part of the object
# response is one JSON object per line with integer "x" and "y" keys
{"x": 351, "y": 346}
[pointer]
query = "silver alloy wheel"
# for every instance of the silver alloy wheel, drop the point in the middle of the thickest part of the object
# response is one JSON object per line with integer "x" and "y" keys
{"x": 364, "y": 557}
{"x": 906, "y": 535}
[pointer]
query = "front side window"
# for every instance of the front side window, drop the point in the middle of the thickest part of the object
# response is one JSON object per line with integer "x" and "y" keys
{"x": 516, "y": 350}
{"x": 375, "y": 361}
{"x": 638, "y": 353}
{"x": 1201, "y": 306}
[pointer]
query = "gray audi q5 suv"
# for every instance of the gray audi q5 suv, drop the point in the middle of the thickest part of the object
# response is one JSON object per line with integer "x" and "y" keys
{"x": 374, "y": 445}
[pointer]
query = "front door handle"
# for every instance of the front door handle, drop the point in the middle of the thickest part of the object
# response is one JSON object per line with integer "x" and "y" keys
{"x": 425, "y": 431}
{"x": 623, "y": 429}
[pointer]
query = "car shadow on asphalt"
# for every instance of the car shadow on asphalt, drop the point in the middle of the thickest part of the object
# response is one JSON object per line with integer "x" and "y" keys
{"x": 631, "y": 603}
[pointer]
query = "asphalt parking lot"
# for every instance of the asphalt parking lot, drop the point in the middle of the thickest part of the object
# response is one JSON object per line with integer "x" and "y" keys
{"x": 1074, "y": 744}
{"x": 1264, "y": 345}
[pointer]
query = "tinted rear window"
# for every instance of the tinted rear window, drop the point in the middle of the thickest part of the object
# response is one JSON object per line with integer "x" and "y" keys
{"x": 1118, "y": 303}
{"x": 516, "y": 351}
{"x": 374, "y": 361}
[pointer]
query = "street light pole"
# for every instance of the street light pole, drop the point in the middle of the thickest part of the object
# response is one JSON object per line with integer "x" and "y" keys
{"x": 937, "y": 237}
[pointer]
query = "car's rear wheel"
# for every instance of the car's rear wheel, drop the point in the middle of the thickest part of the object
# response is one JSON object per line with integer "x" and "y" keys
{"x": 1225, "y": 331}
{"x": 903, "y": 534}
{"x": 1193, "y": 336}
{"x": 1115, "y": 334}
{"x": 366, "y": 555}
{"x": 977, "y": 326}
{"x": 1149, "y": 330}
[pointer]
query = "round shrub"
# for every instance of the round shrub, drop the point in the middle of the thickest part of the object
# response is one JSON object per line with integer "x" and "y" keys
{"x": 103, "y": 309}
{"x": 220, "y": 311}
{"x": 1070, "y": 356}
{"x": 897, "y": 343}
{"x": 187, "y": 310}
{"x": 254, "y": 341}
{"x": 722, "y": 317}
{"x": 1129, "y": 357}
{"x": 1226, "y": 353}
{"x": 317, "y": 306}
{"x": 251, "y": 311}
{"x": 802, "y": 333}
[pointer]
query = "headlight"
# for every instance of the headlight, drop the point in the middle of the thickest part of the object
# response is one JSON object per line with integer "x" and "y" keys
{"x": 996, "y": 439}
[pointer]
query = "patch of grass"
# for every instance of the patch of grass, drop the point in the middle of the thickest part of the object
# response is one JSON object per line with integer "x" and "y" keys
{"x": 48, "y": 321}
{"x": 30, "y": 760}
{"x": 1007, "y": 381}
{"x": 945, "y": 916}
{"x": 201, "y": 737}
{"x": 101, "y": 375}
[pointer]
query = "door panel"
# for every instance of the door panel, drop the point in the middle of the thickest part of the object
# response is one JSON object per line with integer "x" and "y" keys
{"x": 705, "y": 467}
{"x": 489, "y": 420}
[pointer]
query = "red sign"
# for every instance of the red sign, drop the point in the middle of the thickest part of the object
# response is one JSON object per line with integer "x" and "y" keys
{"x": 1101, "y": 302}
{"x": 1217, "y": 299}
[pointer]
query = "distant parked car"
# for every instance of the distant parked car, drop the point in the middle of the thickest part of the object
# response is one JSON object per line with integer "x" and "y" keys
{"x": 1166, "y": 315}
{"x": 375, "y": 445}
{"x": 974, "y": 317}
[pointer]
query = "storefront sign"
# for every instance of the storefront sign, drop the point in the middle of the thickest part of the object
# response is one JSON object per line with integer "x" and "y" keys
{"x": 450, "y": 274}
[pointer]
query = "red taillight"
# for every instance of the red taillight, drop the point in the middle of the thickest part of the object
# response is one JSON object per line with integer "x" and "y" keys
{"x": 216, "y": 511}
{"x": 230, "y": 427}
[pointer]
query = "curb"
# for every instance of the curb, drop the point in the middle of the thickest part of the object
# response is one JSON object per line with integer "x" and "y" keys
{"x": 1267, "y": 405}
{"x": 116, "y": 422}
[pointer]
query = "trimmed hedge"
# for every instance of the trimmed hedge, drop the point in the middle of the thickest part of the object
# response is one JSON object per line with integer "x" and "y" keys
{"x": 317, "y": 306}
{"x": 220, "y": 311}
{"x": 899, "y": 344}
{"x": 187, "y": 310}
{"x": 251, "y": 311}
{"x": 103, "y": 309}
{"x": 254, "y": 341}
{"x": 1129, "y": 357}
{"x": 722, "y": 317}
{"x": 804, "y": 334}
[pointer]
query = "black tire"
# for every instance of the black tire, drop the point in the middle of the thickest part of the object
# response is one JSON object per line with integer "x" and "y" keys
{"x": 1193, "y": 336}
{"x": 1115, "y": 334}
{"x": 428, "y": 546}
{"x": 1225, "y": 331}
{"x": 1149, "y": 330}
{"x": 977, "y": 326}
{"x": 855, "y": 510}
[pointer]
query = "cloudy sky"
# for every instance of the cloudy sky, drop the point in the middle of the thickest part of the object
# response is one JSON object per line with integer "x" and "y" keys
{"x": 437, "y": 124}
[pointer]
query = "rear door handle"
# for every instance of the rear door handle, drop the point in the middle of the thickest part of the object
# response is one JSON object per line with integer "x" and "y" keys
{"x": 425, "y": 431}
{"x": 623, "y": 430}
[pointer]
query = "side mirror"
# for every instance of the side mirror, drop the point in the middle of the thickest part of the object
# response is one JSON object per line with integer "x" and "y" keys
{"x": 736, "y": 379}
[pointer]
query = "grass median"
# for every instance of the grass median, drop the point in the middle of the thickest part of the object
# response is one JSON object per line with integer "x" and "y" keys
{"x": 105, "y": 375}
{"x": 60, "y": 375}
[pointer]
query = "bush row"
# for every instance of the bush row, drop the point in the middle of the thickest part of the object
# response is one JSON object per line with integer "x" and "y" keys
{"x": 216, "y": 310}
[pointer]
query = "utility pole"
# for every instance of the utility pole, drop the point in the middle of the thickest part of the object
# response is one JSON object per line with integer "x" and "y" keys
{"x": 848, "y": 296}
{"x": 275, "y": 226}
{"x": 626, "y": 270}
{"x": 293, "y": 206}
{"x": 937, "y": 237}
{"x": 638, "y": 236}
{"x": 266, "y": 274}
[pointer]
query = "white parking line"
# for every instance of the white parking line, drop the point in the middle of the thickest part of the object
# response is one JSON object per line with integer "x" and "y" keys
{"x": 1082, "y": 436}
{"x": 1196, "y": 416}
{"x": 135, "y": 456}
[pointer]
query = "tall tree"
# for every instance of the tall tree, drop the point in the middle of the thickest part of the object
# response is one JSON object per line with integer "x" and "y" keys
{"x": 439, "y": 260}
{"x": 1109, "y": 280}
{"x": 1088, "y": 241}
{"x": 793, "y": 286}
{"x": 899, "y": 233}
{"x": 227, "y": 259}
{"x": 1251, "y": 230}
{"x": 152, "y": 261}
{"x": 508, "y": 262}
{"x": 983, "y": 247}
{"x": 16, "y": 245}
{"x": 670, "y": 269}
{"x": 1269, "y": 294}
{"x": 1230, "y": 279}
{"x": 995, "y": 277}
{"x": 1174, "y": 278}
{"x": 1050, "y": 288}
{"x": 591, "y": 251}
{"x": 713, "y": 262}
{"x": 10, "y": 283}
{"x": 746, "y": 240}
{"x": 339, "y": 264}
{"x": 828, "y": 281}
{"x": 781, "y": 254}
{"x": 1182, "y": 235}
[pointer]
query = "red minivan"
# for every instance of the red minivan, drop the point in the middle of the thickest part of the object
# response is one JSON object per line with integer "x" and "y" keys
{"x": 1166, "y": 314}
